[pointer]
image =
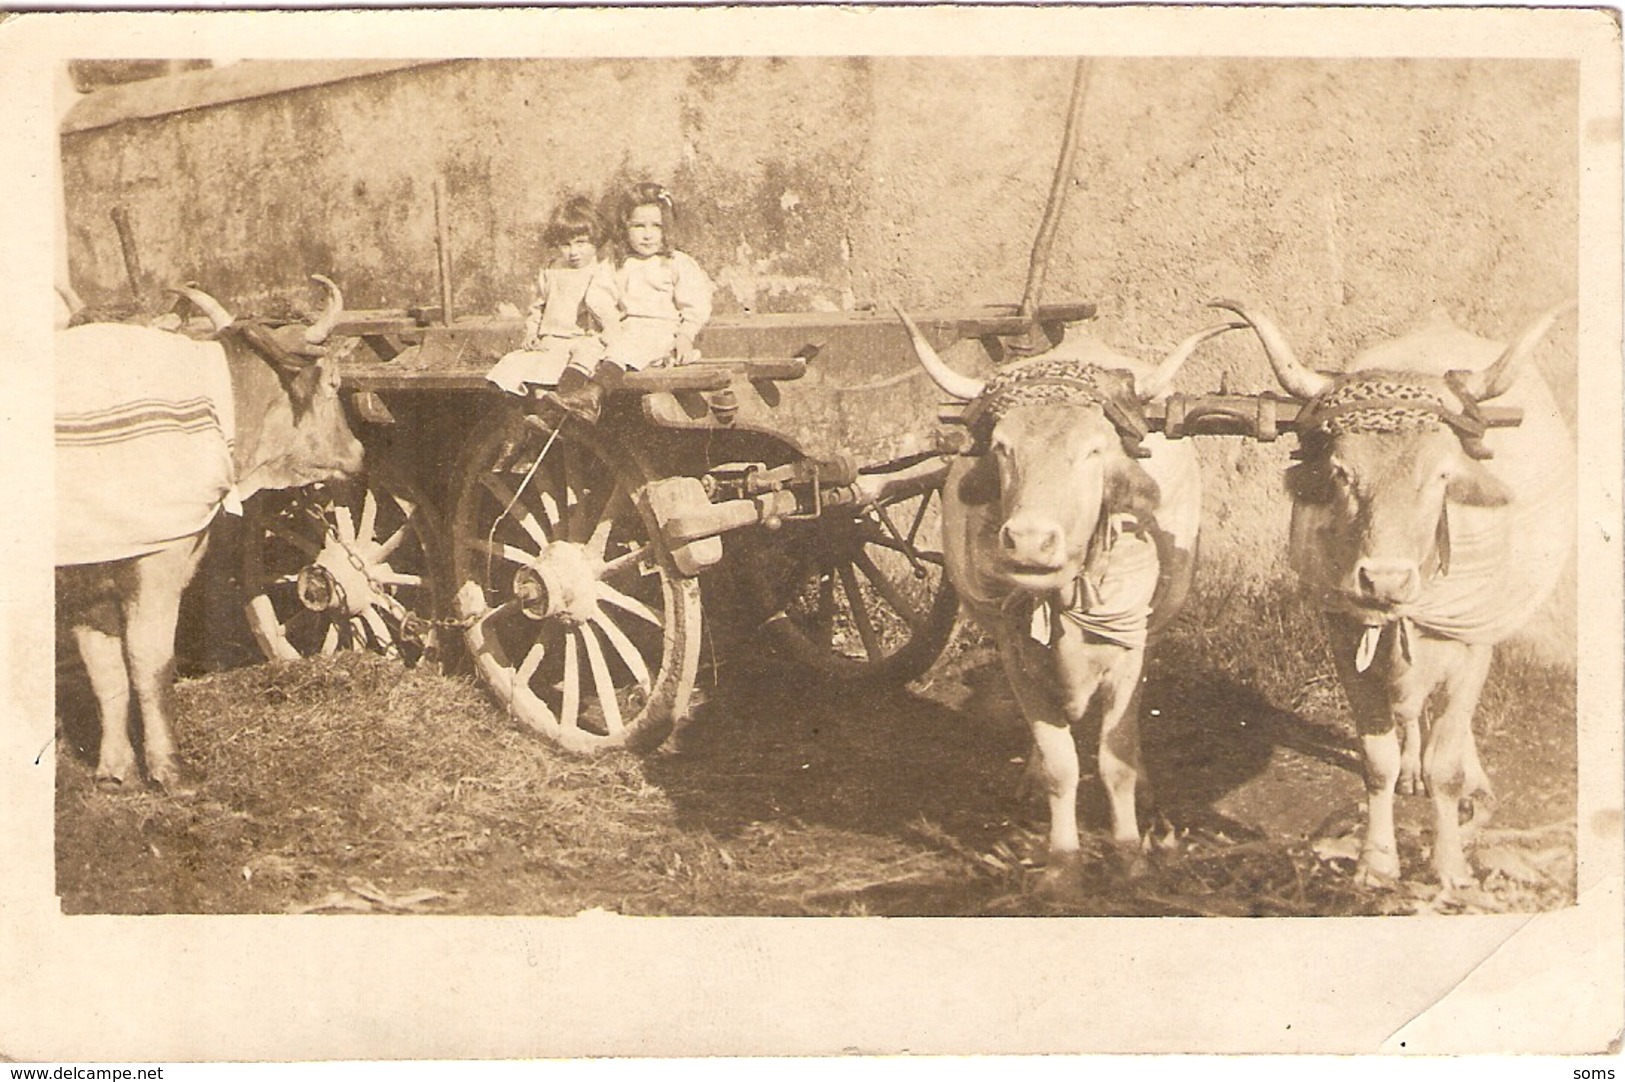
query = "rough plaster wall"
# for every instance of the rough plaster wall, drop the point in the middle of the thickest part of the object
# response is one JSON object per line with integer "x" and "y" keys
{"x": 1347, "y": 198}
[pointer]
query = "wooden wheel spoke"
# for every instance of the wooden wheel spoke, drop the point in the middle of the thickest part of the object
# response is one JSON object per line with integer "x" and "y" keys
{"x": 498, "y": 549}
{"x": 367, "y": 530}
{"x": 625, "y": 649}
{"x": 532, "y": 662}
{"x": 388, "y": 546}
{"x": 919, "y": 517}
{"x": 570, "y": 709}
{"x": 550, "y": 508}
{"x": 375, "y": 623}
{"x": 344, "y": 523}
{"x": 860, "y": 613}
{"x": 578, "y": 485}
{"x": 608, "y": 594}
{"x": 604, "y": 686}
{"x": 330, "y": 640}
{"x": 887, "y": 589}
{"x": 623, "y": 561}
{"x": 884, "y": 540}
{"x": 606, "y": 521}
{"x": 399, "y": 578}
{"x": 516, "y": 507}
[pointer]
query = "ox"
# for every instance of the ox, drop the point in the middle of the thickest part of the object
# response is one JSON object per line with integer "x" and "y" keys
{"x": 153, "y": 431}
{"x": 1070, "y": 535}
{"x": 1422, "y": 555}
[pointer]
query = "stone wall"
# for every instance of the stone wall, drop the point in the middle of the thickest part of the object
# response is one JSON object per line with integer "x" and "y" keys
{"x": 1348, "y": 198}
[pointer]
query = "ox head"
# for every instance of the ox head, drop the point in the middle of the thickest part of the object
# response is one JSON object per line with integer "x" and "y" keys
{"x": 292, "y": 429}
{"x": 1384, "y": 454}
{"x": 1055, "y": 441}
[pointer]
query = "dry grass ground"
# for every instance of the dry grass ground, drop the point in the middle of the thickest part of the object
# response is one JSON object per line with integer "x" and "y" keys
{"x": 352, "y": 784}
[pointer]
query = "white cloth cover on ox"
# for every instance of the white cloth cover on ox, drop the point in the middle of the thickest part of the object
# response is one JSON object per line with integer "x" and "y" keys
{"x": 144, "y": 430}
{"x": 1504, "y": 561}
{"x": 1116, "y": 604}
{"x": 1122, "y": 601}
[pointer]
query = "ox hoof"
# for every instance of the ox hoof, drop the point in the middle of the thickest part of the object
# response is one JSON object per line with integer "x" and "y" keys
{"x": 1130, "y": 861}
{"x": 1410, "y": 781}
{"x": 108, "y": 781}
{"x": 1455, "y": 874}
{"x": 1377, "y": 869}
{"x": 1061, "y": 879}
{"x": 175, "y": 780}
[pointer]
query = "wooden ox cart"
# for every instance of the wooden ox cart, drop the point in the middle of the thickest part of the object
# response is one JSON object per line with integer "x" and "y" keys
{"x": 575, "y": 562}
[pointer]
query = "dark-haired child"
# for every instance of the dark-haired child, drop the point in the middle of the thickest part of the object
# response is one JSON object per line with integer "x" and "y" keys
{"x": 651, "y": 300}
{"x": 559, "y": 331}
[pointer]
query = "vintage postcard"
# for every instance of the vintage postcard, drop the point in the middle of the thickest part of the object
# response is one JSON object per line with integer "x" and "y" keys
{"x": 810, "y": 531}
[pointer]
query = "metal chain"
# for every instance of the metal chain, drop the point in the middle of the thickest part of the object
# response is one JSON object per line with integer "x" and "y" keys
{"x": 413, "y": 627}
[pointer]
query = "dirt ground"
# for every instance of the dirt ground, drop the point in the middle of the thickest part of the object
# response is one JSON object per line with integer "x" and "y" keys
{"x": 1349, "y": 198}
{"x": 352, "y": 784}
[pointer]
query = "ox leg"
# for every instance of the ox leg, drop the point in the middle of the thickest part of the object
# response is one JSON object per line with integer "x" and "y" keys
{"x": 1379, "y": 855}
{"x": 1054, "y": 760}
{"x": 1119, "y": 753}
{"x": 1410, "y": 755}
{"x": 1380, "y": 753}
{"x": 103, "y": 655}
{"x": 1057, "y": 755}
{"x": 1477, "y": 796}
{"x": 1445, "y": 761}
{"x": 151, "y": 611}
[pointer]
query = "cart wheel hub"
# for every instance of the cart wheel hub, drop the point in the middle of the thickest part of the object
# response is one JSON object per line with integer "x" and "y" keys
{"x": 561, "y": 583}
{"x": 318, "y": 590}
{"x": 334, "y": 583}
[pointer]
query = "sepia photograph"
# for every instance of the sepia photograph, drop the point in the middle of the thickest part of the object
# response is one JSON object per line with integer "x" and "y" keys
{"x": 607, "y": 508}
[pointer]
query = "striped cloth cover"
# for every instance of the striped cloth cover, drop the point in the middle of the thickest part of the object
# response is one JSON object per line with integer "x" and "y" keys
{"x": 144, "y": 428}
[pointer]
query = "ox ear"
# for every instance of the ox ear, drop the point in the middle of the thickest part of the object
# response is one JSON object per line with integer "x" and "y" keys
{"x": 1309, "y": 481}
{"x": 1130, "y": 490}
{"x": 980, "y": 484}
{"x": 1475, "y": 486}
{"x": 302, "y": 388}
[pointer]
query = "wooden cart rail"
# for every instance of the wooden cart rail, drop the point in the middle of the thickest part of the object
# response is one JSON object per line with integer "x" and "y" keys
{"x": 416, "y": 353}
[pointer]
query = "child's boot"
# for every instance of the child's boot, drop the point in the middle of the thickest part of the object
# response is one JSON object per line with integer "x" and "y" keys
{"x": 577, "y": 394}
{"x": 585, "y": 401}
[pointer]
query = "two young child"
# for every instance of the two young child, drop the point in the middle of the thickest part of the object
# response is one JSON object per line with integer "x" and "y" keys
{"x": 595, "y": 320}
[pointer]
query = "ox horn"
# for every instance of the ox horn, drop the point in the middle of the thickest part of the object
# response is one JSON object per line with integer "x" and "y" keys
{"x": 1149, "y": 387}
{"x": 207, "y": 305}
{"x": 955, "y": 384}
{"x": 317, "y": 332}
{"x": 1293, "y": 375}
{"x": 1498, "y": 377}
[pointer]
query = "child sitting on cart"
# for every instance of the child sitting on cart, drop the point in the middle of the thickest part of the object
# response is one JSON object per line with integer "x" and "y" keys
{"x": 559, "y": 331}
{"x": 651, "y": 300}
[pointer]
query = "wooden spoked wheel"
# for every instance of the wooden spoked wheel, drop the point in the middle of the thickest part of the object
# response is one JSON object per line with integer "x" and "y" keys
{"x": 340, "y": 566}
{"x": 581, "y": 626}
{"x": 856, "y": 598}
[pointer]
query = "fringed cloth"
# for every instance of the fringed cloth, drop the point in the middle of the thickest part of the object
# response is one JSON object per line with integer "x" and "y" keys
{"x": 144, "y": 429}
